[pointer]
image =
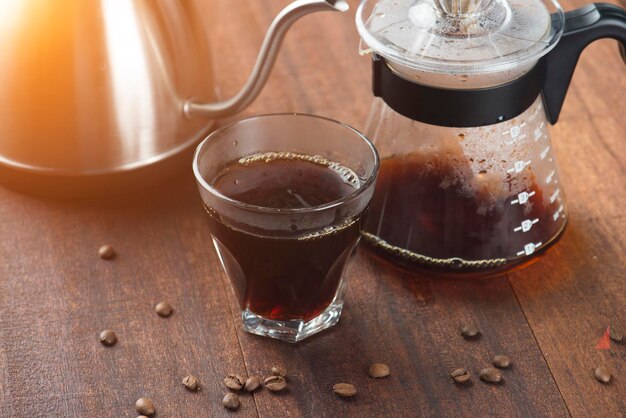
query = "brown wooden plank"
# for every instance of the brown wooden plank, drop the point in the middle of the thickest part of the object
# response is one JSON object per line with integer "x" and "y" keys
{"x": 412, "y": 324}
{"x": 57, "y": 295}
{"x": 573, "y": 294}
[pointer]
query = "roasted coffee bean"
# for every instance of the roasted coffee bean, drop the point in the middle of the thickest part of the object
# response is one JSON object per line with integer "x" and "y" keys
{"x": 145, "y": 406}
{"x": 106, "y": 252}
{"x": 163, "y": 309}
{"x": 191, "y": 383}
{"x": 108, "y": 338}
{"x": 234, "y": 381}
{"x": 275, "y": 383}
{"x": 615, "y": 334}
{"x": 460, "y": 375}
{"x": 378, "y": 370}
{"x": 252, "y": 383}
{"x": 490, "y": 375}
{"x": 230, "y": 401}
{"x": 279, "y": 371}
{"x": 602, "y": 374}
{"x": 501, "y": 361}
{"x": 469, "y": 331}
{"x": 345, "y": 390}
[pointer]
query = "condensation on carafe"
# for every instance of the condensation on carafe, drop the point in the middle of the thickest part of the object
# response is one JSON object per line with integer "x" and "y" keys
{"x": 464, "y": 199}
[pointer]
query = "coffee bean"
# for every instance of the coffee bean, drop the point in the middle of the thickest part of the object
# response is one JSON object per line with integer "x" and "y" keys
{"x": 345, "y": 390}
{"x": 230, "y": 401}
{"x": 163, "y": 309}
{"x": 279, "y": 371}
{"x": 234, "y": 381}
{"x": 469, "y": 331}
{"x": 145, "y": 406}
{"x": 275, "y": 383}
{"x": 106, "y": 252}
{"x": 615, "y": 334}
{"x": 501, "y": 361}
{"x": 378, "y": 370}
{"x": 602, "y": 374}
{"x": 191, "y": 383}
{"x": 108, "y": 338}
{"x": 252, "y": 383}
{"x": 460, "y": 375}
{"x": 490, "y": 375}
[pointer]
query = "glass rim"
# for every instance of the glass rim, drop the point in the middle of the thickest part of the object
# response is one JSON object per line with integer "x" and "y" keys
{"x": 256, "y": 208}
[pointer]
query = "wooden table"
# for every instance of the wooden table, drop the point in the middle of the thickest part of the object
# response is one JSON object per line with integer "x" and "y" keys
{"x": 56, "y": 294}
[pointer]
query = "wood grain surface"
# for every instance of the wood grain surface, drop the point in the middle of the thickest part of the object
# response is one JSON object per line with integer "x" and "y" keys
{"x": 56, "y": 294}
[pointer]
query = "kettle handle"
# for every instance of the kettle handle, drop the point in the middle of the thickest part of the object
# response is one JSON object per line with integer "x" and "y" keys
{"x": 582, "y": 26}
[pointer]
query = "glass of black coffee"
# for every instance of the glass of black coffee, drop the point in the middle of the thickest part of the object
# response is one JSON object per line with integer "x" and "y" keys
{"x": 285, "y": 197}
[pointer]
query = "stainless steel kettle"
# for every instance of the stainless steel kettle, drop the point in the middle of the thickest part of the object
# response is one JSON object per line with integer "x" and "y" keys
{"x": 106, "y": 86}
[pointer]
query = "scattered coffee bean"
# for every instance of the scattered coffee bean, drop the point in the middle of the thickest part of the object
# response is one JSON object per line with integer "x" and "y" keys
{"x": 501, "y": 361}
{"x": 108, "y": 338}
{"x": 145, "y": 406}
{"x": 615, "y": 334}
{"x": 602, "y": 374}
{"x": 234, "y": 381}
{"x": 252, "y": 383}
{"x": 469, "y": 331}
{"x": 345, "y": 390}
{"x": 275, "y": 383}
{"x": 106, "y": 252}
{"x": 490, "y": 375}
{"x": 378, "y": 370}
{"x": 163, "y": 309}
{"x": 230, "y": 401}
{"x": 191, "y": 383}
{"x": 460, "y": 375}
{"x": 279, "y": 371}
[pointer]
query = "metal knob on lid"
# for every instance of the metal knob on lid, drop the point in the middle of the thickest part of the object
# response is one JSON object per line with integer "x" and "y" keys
{"x": 462, "y": 8}
{"x": 470, "y": 17}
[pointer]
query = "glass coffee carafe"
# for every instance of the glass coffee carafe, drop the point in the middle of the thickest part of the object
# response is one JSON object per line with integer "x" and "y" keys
{"x": 468, "y": 182}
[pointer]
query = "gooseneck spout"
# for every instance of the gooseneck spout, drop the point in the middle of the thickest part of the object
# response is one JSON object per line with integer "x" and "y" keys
{"x": 265, "y": 60}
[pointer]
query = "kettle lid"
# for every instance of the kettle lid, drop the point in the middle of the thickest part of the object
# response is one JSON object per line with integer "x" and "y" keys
{"x": 460, "y": 36}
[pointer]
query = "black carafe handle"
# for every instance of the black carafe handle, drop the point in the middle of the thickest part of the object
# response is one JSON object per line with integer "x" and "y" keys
{"x": 582, "y": 26}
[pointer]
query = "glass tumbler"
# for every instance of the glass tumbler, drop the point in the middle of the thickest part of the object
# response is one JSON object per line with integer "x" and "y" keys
{"x": 285, "y": 197}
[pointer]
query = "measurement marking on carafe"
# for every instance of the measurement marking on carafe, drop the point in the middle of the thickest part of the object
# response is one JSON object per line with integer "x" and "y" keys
{"x": 522, "y": 198}
{"x": 539, "y": 132}
{"x": 544, "y": 153}
{"x": 529, "y": 248}
{"x": 558, "y": 212}
{"x": 515, "y": 133}
{"x": 518, "y": 167}
{"x": 555, "y": 195}
{"x": 526, "y": 225}
{"x": 536, "y": 112}
{"x": 550, "y": 176}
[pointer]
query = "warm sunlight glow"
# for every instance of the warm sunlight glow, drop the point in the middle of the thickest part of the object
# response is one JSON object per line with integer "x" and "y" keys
{"x": 133, "y": 97}
{"x": 12, "y": 13}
